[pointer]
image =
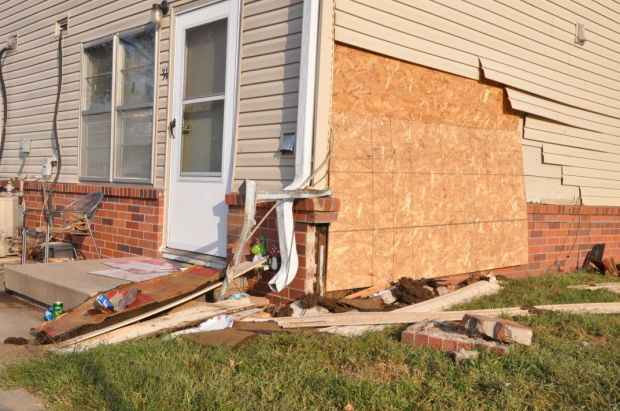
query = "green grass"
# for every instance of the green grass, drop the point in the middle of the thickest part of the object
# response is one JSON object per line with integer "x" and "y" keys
{"x": 374, "y": 371}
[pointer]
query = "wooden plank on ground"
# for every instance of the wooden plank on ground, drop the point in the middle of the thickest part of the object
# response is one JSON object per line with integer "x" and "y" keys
{"x": 467, "y": 293}
{"x": 370, "y": 290}
{"x": 188, "y": 317}
{"x": 395, "y": 317}
{"x": 615, "y": 287}
{"x": 239, "y": 271}
{"x": 462, "y": 295}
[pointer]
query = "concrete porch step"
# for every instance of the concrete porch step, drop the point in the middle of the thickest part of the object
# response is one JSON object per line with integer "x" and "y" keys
{"x": 67, "y": 282}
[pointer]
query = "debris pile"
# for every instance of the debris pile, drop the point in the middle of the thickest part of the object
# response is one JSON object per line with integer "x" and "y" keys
{"x": 473, "y": 332}
{"x": 166, "y": 304}
{"x": 596, "y": 263}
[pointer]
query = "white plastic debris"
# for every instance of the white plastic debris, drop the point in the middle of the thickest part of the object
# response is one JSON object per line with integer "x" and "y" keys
{"x": 219, "y": 322}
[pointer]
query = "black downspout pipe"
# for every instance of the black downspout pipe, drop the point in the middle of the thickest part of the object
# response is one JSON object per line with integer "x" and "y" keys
{"x": 56, "y": 142}
{"x": 5, "y": 110}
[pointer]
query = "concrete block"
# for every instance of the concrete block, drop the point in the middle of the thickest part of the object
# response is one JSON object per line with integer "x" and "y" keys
{"x": 448, "y": 337}
{"x": 497, "y": 328}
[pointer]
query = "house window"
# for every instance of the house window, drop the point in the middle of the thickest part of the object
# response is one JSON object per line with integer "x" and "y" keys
{"x": 117, "y": 109}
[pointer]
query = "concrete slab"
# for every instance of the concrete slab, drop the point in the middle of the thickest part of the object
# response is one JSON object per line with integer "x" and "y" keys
{"x": 20, "y": 400}
{"x": 67, "y": 282}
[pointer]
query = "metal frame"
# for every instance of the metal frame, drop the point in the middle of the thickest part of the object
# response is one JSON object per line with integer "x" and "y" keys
{"x": 86, "y": 214}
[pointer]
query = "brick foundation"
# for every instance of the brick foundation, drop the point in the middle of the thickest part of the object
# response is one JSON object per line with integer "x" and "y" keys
{"x": 129, "y": 220}
{"x": 559, "y": 237}
{"x": 312, "y": 217}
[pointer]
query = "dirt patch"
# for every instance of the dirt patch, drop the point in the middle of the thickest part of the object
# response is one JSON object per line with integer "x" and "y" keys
{"x": 16, "y": 318}
{"x": 16, "y": 341}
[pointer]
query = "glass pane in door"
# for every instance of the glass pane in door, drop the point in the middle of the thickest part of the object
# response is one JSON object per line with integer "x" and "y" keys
{"x": 202, "y": 138}
{"x": 205, "y": 60}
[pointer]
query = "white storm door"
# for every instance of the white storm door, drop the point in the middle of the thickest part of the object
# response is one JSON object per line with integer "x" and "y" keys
{"x": 205, "y": 67}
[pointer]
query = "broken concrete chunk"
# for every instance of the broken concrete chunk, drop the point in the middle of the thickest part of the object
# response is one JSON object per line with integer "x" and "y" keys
{"x": 388, "y": 297}
{"x": 463, "y": 354}
{"x": 497, "y": 328}
{"x": 442, "y": 290}
{"x": 299, "y": 311}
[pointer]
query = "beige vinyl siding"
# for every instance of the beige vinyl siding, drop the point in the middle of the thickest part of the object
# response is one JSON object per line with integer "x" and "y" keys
{"x": 583, "y": 158}
{"x": 268, "y": 90}
{"x": 31, "y": 75}
{"x": 570, "y": 92}
{"x": 269, "y": 81}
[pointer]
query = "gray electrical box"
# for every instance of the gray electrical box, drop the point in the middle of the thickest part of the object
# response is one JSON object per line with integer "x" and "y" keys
{"x": 24, "y": 146}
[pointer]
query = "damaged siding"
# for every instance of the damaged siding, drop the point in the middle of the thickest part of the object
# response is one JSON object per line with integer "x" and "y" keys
{"x": 529, "y": 46}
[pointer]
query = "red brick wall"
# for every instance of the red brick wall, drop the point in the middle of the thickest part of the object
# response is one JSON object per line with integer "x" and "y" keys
{"x": 129, "y": 220}
{"x": 559, "y": 237}
{"x": 309, "y": 215}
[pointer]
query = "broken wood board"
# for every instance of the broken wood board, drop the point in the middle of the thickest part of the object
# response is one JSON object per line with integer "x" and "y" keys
{"x": 123, "y": 321}
{"x": 615, "y": 287}
{"x": 440, "y": 303}
{"x": 192, "y": 315}
{"x": 395, "y": 317}
{"x": 369, "y": 291}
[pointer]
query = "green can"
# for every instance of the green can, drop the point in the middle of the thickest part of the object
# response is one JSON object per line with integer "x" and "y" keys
{"x": 57, "y": 306}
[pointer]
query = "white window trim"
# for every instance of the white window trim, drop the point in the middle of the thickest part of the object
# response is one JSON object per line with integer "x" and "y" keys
{"x": 113, "y": 108}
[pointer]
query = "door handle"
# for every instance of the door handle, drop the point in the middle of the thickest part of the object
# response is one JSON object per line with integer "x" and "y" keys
{"x": 171, "y": 127}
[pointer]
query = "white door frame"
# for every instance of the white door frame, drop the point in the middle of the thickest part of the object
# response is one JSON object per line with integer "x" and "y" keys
{"x": 197, "y": 16}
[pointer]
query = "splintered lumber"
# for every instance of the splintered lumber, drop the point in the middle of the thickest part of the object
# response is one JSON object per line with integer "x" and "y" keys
{"x": 467, "y": 293}
{"x": 368, "y": 291}
{"x": 82, "y": 325}
{"x": 462, "y": 295}
{"x": 615, "y": 287}
{"x": 172, "y": 321}
{"x": 396, "y": 317}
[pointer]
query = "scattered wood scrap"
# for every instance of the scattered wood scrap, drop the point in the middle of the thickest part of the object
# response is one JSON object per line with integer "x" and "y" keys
{"x": 172, "y": 321}
{"x": 368, "y": 291}
{"x": 340, "y": 305}
{"x": 400, "y": 317}
{"x": 462, "y": 295}
{"x": 91, "y": 327}
{"x": 615, "y": 287}
{"x": 610, "y": 267}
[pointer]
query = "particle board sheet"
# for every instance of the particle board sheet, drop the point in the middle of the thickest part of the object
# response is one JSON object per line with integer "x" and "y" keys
{"x": 428, "y": 167}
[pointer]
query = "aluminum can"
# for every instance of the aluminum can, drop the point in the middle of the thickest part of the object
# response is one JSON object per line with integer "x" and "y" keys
{"x": 49, "y": 314}
{"x": 103, "y": 301}
{"x": 58, "y": 309}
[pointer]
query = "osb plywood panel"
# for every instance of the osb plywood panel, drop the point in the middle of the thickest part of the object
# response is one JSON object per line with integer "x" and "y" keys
{"x": 429, "y": 170}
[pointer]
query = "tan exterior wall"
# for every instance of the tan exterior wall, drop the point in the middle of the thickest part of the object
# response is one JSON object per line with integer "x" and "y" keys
{"x": 428, "y": 168}
{"x": 269, "y": 71}
{"x": 269, "y": 82}
{"x": 529, "y": 46}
